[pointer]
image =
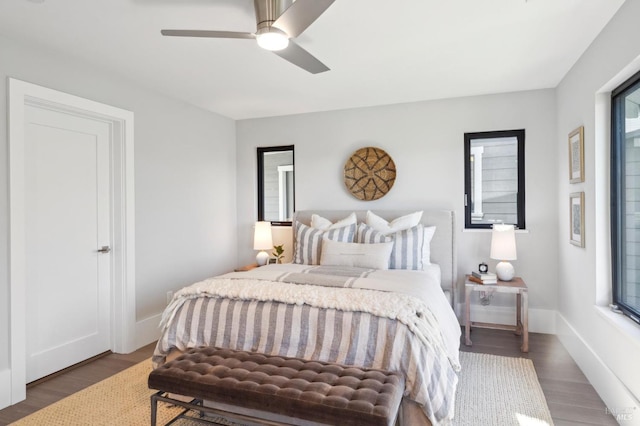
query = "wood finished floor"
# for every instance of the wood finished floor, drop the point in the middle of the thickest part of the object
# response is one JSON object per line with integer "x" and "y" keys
{"x": 571, "y": 399}
{"x": 72, "y": 381}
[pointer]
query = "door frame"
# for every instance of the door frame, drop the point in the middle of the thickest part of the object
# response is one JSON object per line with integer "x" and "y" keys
{"x": 122, "y": 215}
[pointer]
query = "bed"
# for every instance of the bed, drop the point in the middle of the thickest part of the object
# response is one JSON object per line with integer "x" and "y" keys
{"x": 346, "y": 310}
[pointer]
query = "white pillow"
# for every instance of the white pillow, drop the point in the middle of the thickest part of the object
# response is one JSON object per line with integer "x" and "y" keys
{"x": 426, "y": 245}
{"x": 398, "y": 224}
{"x": 323, "y": 224}
{"x": 374, "y": 256}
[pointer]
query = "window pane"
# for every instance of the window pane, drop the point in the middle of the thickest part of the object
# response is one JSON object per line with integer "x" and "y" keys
{"x": 627, "y": 113}
{"x": 494, "y": 178}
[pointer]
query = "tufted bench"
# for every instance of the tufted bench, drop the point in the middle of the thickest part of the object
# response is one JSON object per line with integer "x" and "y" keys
{"x": 290, "y": 390}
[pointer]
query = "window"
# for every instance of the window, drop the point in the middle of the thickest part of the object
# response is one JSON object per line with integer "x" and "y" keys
{"x": 276, "y": 195}
{"x": 625, "y": 196}
{"x": 494, "y": 178}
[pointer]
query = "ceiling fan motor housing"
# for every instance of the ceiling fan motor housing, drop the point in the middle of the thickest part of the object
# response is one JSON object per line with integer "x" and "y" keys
{"x": 267, "y": 11}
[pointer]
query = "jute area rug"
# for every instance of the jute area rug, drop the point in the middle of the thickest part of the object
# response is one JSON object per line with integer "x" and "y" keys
{"x": 493, "y": 391}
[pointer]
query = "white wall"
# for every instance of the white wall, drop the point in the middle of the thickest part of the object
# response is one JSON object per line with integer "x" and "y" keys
{"x": 425, "y": 140}
{"x": 184, "y": 180}
{"x": 606, "y": 346}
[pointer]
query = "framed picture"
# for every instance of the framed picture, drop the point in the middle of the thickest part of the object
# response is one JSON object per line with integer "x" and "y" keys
{"x": 576, "y": 155}
{"x": 576, "y": 220}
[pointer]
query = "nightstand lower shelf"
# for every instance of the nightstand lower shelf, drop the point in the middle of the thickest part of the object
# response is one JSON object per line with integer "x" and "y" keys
{"x": 517, "y": 287}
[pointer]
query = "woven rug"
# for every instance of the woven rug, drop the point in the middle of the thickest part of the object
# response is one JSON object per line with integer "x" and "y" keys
{"x": 498, "y": 390}
{"x": 493, "y": 390}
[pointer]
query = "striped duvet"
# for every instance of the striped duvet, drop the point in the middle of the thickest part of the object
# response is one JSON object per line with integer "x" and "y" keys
{"x": 327, "y": 334}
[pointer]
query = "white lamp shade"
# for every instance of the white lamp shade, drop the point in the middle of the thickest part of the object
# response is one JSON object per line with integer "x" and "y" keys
{"x": 262, "y": 236}
{"x": 503, "y": 242}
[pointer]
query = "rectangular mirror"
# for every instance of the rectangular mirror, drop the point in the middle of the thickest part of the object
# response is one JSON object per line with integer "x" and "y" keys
{"x": 276, "y": 184}
{"x": 494, "y": 178}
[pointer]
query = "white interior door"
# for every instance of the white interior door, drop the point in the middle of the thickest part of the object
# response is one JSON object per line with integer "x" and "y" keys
{"x": 67, "y": 200}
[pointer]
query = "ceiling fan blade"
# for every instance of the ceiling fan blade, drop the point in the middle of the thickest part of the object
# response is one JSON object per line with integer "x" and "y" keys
{"x": 300, "y": 57}
{"x": 204, "y": 33}
{"x": 300, "y": 15}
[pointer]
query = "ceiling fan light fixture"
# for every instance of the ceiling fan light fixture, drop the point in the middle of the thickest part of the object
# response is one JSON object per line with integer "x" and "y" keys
{"x": 272, "y": 39}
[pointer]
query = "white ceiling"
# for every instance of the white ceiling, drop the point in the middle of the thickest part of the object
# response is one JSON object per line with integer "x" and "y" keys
{"x": 379, "y": 51}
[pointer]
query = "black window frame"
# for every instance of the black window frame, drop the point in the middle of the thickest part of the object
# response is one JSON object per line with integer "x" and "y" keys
{"x": 519, "y": 134}
{"x": 618, "y": 190}
{"x": 260, "y": 152}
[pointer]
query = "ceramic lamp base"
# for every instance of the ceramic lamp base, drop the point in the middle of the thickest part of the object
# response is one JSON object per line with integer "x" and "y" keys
{"x": 262, "y": 258}
{"x": 505, "y": 271}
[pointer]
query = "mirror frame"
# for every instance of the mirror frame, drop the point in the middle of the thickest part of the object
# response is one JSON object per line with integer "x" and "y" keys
{"x": 261, "y": 152}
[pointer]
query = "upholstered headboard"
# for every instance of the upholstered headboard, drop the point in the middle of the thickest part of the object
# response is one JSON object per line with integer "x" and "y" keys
{"x": 443, "y": 247}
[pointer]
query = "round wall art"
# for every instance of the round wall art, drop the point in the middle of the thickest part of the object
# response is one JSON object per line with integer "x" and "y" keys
{"x": 369, "y": 173}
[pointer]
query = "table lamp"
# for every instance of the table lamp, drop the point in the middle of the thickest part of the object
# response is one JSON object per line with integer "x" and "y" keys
{"x": 262, "y": 241}
{"x": 503, "y": 248}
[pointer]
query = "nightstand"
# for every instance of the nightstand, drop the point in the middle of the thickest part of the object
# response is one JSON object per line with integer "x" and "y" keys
{"x": 246, "y": 268}
{"x": 516, "y": 286}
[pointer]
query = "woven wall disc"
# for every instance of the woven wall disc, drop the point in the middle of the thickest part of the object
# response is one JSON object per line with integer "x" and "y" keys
{"x": 369, "y": 173}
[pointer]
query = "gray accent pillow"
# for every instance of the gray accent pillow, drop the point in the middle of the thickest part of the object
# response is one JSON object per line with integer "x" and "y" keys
{"x": 408, "y": 245}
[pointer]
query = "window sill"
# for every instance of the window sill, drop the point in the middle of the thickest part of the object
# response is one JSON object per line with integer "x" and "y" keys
{"x": 626, "y": 325}
{"x": 485, "y": 230}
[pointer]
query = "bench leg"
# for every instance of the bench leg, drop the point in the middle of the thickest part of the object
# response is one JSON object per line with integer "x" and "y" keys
{"x": 154, "y": 409}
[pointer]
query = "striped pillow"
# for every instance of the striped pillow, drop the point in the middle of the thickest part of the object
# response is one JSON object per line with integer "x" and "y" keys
{"x": 368, "y": 235}
{"x": 408, "y": 245}
{"x": 308, "y": 246}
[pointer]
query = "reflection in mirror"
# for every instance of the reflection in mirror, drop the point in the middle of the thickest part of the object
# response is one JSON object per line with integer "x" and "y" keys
{"x": 276, "y": 200}
{"x": 494, "y": 178}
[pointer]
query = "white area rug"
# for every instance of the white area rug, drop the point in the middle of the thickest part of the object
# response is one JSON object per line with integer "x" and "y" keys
{"x": 496, "y": 390}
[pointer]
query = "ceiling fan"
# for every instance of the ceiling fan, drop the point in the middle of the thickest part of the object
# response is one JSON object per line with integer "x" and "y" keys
{"x": 278, "y": 21}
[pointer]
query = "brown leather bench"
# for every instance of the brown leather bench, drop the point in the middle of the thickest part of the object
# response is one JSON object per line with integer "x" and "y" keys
{"x": 287, "y": 391}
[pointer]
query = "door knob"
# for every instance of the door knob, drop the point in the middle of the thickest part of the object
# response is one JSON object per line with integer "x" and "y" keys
{"x": 104, "y": 249}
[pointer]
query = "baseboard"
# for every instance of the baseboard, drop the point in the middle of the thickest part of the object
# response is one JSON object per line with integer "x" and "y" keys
{"x": 5, "y": 388}
{"x": 540, "y": 320}
{"x": 147, "y": 330}
{"x": 622, "y": 404}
